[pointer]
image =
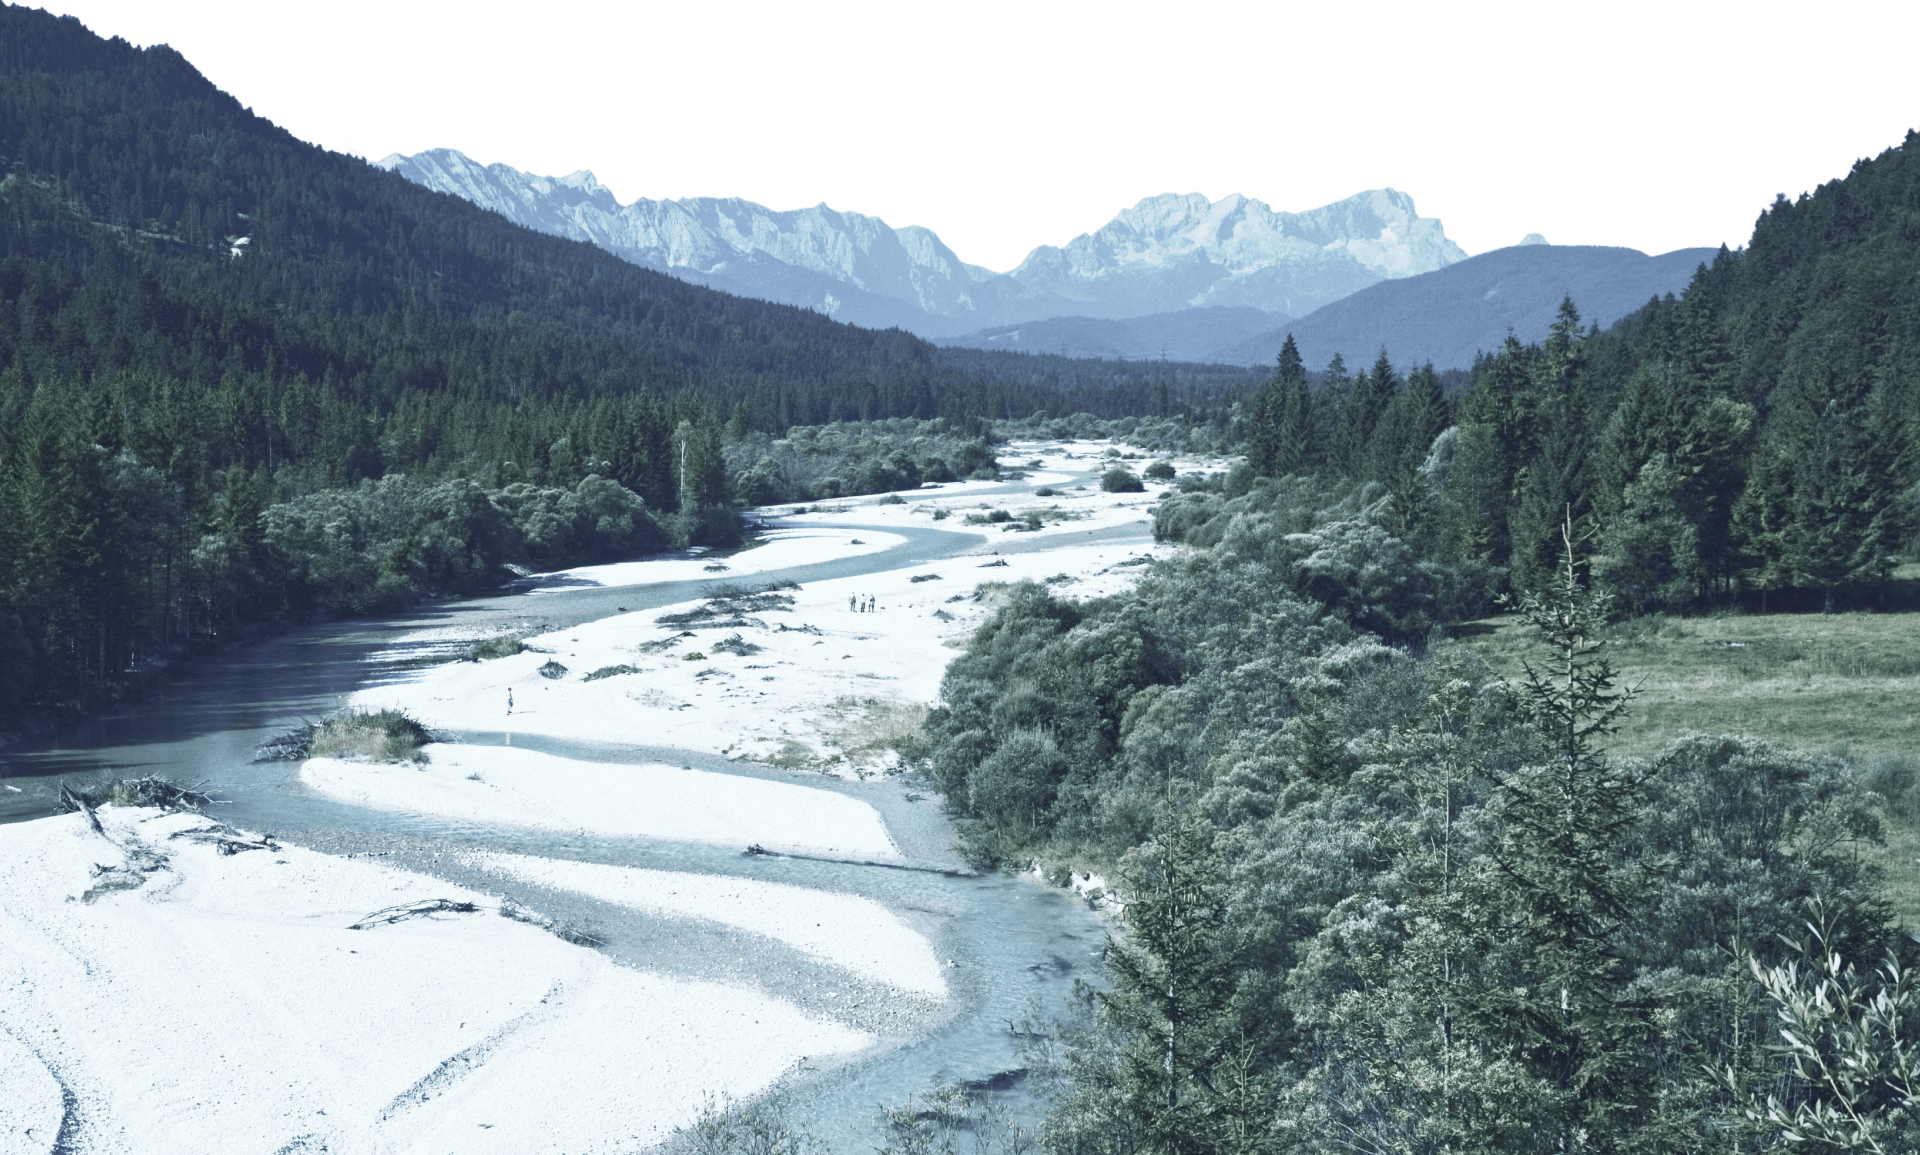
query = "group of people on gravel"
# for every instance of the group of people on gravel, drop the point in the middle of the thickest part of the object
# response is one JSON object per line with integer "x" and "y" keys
{"x": 859, "y": 604}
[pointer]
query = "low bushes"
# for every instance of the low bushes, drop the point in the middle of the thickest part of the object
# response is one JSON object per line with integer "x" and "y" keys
{"x": 491, "y": 648}
{"x": 372, "y": 736}
{"x": 610, "y": 672}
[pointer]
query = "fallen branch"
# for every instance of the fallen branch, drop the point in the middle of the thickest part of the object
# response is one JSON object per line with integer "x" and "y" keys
{"x": 422, "y": 909}
{"x": 148, "y": 791}
{"x": 293, "y": 746}
{"x": 226, "y": 839}
{"x": 74, "y": 800}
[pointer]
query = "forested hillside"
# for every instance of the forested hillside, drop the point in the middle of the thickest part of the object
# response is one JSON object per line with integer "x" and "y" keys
{"x": 244, "y": 380}
{"x": 1750, "y": 439}
{"x": 1377, "y": 898}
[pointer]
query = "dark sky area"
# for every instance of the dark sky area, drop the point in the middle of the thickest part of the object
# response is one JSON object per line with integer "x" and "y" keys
{"x": 1010, "y": 148}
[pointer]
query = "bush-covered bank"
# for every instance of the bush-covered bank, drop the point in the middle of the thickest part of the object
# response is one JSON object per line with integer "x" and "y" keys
{"x": 115, "y": 569}
{"x": 1376, "y": 893}
{"x": 1213, "y": 432}
{"x": 813, "y": 463}
{"x": 1342, "y": 545}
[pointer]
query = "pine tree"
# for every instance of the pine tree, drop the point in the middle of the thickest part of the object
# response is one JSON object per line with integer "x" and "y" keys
{"x": 1560, "y": 887}
{"x": 1823, "y": 511}
{"x": 1288, "y": 414}
{"x": 1327, "y": 417}
{"x": 1178, "y": 1057}
{"x": 1366, "y": 404}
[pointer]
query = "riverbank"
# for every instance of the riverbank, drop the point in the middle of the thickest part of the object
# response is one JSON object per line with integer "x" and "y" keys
{"x": 852, "y": 965}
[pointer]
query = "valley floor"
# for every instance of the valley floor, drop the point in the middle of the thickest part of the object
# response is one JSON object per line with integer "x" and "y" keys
{"x": 169, "y": 984}
{"x": 1842, "y": 683}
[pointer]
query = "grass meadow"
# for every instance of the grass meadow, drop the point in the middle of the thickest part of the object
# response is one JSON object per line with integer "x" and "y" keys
{"x": 1845, "y": 684}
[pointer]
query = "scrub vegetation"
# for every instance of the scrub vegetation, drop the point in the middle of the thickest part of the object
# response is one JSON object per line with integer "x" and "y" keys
{"x": 371, "y": 736}
{"x": 1395, "y": 875}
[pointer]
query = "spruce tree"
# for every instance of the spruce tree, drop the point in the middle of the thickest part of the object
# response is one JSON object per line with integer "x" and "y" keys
{"x": 1823, "y": 509}
{"x": 1366, "y": 405}
{"x": 1289, "y": 414}
{"x": 1561, "y": 889}
{"x": 1177, "y": 1058}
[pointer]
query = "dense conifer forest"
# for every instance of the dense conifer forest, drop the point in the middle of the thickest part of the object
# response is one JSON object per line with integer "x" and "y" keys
{"x": 246, "y": 381}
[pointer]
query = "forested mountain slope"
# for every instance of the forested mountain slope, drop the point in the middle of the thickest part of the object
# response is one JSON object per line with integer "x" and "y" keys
{"x": 1750, "y": 439}
{"x": 245, "y": 380}
{"x": 232, "y": 246}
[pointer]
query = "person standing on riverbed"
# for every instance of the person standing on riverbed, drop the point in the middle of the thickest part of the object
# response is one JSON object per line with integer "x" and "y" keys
{"x": 509, "y": 699}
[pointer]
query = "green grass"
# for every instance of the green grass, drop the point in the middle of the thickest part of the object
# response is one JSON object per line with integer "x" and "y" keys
{"x": 1812, "y": 681}
{"x": 1845, "y": 684}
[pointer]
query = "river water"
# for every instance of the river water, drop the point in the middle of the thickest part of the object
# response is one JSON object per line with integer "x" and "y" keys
{"x": 1014, "y": 948}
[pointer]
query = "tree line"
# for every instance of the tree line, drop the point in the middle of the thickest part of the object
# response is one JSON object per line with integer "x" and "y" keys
{"x": 1750, "y": 441}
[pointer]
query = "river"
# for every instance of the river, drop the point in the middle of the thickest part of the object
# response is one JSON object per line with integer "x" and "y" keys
{"x": 1015, "y": 948}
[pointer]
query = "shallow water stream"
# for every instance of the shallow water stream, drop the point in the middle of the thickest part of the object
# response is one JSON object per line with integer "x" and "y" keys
{"x": 1012, "y": 946}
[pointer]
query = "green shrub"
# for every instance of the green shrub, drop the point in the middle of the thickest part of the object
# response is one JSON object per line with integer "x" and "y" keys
{"x": 1046, "y": 491}
{"x": 1121, "y": 481}
{"x": 610, "y": 672}
{"x": 891, "y": 499}
{"x": 372, "y": 736}
{"x": 1160, "y": 471}
{"x": 1895, "y": 777}
{"x": 735, "y": 644}
{"x": 500, "y": 647}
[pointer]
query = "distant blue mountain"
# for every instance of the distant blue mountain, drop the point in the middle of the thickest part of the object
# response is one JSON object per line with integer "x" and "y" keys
{"x": 1450, "y": 314}
{"x": 1185, "y": 335}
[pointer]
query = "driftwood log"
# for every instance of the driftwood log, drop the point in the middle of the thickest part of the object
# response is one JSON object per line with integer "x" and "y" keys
{"x": 425, "y": 908}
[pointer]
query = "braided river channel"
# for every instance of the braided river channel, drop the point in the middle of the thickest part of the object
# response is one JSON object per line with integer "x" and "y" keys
{"x": 1013, "y": 948}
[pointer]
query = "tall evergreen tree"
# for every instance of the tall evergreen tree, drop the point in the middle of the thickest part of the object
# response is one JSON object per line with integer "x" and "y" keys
{"x": 1278, "y": 443}
{"x": 1171, "y": 1073}
{"x": 1823, "y": 511}
{"x": 1562, "y": 893}
{"x": 1366, "y": 404}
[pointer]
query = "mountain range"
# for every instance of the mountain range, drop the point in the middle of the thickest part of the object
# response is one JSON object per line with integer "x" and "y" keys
{"x": 1176, "y": 277}
{"x": 1165, "y": 254}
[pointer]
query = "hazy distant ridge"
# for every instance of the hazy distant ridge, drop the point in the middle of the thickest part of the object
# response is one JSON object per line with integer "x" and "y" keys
{"x": 1448, "y": 315}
